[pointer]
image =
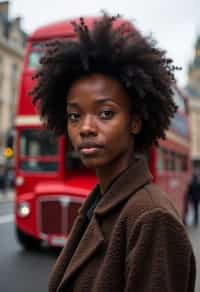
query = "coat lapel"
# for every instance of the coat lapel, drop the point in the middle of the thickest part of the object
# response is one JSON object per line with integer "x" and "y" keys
{"x": 90, "y": 242}
{"x": 136, "y": 176}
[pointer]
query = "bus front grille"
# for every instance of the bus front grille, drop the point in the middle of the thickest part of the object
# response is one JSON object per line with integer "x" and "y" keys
{"x": 57, "y": 215}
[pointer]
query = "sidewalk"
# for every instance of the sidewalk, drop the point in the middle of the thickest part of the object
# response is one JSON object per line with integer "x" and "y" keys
{"x": 7, "y": 196}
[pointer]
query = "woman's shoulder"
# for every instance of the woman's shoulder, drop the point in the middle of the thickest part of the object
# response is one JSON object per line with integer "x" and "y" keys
{"x": 147, "y": 201}
{"x": 149, "y": 211}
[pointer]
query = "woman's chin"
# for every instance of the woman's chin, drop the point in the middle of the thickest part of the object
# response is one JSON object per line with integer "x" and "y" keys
{"x": 92, "y": 163}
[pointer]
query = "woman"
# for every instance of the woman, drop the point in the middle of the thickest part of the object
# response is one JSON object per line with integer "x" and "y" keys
{"x": 110, "y": 91}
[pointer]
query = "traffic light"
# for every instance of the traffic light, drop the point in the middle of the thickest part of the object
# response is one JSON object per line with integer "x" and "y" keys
{"x": 8, "y": 152}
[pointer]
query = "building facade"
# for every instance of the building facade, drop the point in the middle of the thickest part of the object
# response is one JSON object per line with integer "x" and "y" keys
{"x": 193, "y": 91}
{"x": 12, "y": 44}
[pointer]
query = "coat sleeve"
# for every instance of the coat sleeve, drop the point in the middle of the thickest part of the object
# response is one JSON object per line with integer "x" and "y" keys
{"x": 160, "y": 256}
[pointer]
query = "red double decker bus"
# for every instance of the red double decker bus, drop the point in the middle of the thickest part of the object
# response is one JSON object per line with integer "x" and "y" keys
{"x": 51, "y": 182}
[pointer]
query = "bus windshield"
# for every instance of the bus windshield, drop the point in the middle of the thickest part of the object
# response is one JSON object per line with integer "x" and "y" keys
{"x": 38, "y": 151}
{"x": 36, "y": 52}
{"x": 34, "y": 59}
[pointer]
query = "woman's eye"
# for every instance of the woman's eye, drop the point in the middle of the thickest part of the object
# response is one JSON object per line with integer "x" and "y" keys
{"x": 107, "y": 114}
{"x": 72, "y": 116}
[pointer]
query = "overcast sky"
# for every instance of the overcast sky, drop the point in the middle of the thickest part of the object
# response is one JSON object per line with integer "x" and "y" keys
{"x": 174, "y": 23}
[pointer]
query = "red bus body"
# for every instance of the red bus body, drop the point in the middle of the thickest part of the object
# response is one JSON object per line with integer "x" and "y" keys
{"x": 50, "y": 184}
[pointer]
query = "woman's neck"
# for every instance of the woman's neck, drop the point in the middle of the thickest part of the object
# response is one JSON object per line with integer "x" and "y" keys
{"x": 112, "y": 170}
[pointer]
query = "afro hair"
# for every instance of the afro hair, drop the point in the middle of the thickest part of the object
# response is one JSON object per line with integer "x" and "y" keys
{"x": 113, "y": 47}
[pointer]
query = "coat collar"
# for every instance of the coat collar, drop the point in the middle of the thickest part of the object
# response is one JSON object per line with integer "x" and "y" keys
{"x": 132, "y": 179}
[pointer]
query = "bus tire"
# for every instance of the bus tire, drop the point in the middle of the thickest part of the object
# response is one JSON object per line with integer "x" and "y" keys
{"x": 27, "y": 241}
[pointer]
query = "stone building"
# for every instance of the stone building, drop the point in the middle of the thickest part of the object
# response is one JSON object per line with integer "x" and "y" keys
{"x": 12, "y": 43}
{"x": 193, "y": 91}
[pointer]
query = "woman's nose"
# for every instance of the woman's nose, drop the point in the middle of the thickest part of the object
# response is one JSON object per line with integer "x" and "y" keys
{"x": 88, "y": 126}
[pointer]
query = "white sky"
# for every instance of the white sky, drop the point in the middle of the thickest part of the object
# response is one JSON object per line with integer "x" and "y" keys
{"x": 174, "y": 23}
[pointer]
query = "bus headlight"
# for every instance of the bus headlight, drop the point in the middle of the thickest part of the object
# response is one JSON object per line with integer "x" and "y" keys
{"x": 19, "y": 181}
{"x": 23, "y": 209}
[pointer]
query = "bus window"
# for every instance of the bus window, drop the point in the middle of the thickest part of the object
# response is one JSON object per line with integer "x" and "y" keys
{"x": 178, "y": 161}
{"x": 38, "y": 151}
{"x": 160, "y": 160}
{"x": 166, "y": 159}
{"x": 34, "y": 59}
{"x": 172, "y": 159}
{"x": 184, "y": 163}
{"x": 38, "y": 166}
{"x": 169, "y": 161}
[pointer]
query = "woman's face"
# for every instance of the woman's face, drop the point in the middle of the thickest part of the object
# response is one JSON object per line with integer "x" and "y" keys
{"x": 99, "y": 122}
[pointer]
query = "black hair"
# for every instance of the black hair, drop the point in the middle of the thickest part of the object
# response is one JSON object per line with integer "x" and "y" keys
{"x": 120, "y": 52}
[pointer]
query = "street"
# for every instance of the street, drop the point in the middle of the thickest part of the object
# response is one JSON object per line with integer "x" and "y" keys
{"x": 22, "y": 271}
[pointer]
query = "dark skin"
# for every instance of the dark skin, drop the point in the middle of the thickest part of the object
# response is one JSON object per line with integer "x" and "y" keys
{"x": 100, "y": 125}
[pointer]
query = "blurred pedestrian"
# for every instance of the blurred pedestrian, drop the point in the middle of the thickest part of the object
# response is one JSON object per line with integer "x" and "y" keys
{"x": 10, "y": 178}
{"x": 192, "y": 197}
{"x": 110, "y": 90}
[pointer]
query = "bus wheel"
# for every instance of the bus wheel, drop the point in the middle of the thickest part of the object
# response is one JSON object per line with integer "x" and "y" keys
{"x": 28, "y": 242}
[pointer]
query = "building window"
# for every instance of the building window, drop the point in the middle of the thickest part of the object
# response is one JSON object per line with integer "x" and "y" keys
{"x": 14, "y": 71}
{"x": 14, "y": 80}
{"x": 1, "y": 77}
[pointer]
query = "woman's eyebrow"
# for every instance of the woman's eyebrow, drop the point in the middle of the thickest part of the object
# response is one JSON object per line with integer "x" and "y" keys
{"x": 98, "y": 101}
{"x": 72, "y": 104}
{"x": 104, "y": 100}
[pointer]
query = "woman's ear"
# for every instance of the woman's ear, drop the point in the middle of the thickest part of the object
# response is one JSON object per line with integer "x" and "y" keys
{"x": 136, "y": 125}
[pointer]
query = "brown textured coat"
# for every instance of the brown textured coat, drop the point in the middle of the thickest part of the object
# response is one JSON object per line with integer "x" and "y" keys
{"x": 135, "y": 242}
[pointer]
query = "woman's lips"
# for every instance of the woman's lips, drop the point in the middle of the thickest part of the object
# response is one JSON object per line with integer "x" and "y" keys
{"x": 90, "y": 150}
